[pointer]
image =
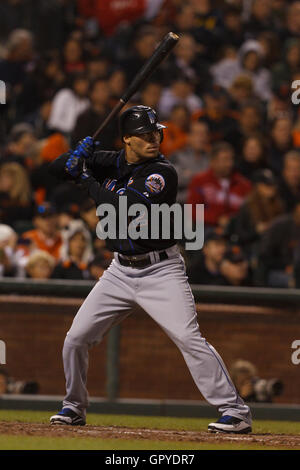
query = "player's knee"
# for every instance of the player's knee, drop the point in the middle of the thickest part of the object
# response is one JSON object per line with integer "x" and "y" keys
{"x": 75, "y": 340}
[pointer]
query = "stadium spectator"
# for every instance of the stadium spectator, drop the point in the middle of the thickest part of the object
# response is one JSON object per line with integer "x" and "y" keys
{"x": 225, "y": 69}
{"x": 76, "y": 252}
{"x": 193, "y": 158}
{"x": 260, "y": 18}
{"x": 97, "y": 66}
{"x": 187, "y": 62}
{"x": 40, "y": 265}
{"x": 221, "y": 189}
{"x": 20, "y": 143}
{"x": 73, "y": 57}
{"x": 234, "y": 32}
{"x": 289, "y": 185}
{"x": 282, "y": 72}
{"x": 89, "y": 120}
{"x": 240, "y": 92}
{"x": 111, "y": 14}
{"x": 205, "y": 268}
{"x": 39, "y": 119}
{"x": 175, "y": 134}
{"x": 150, "y": 94}
{"x": 45, "y": 235}
{"x": 117, "y": 84}
{"x": 48, "y": 78}
{"x": 292, "y": 25}
{"x": 222, "y": 122}
{"x": 235, "y": 267}
{"x": 279, "y": 250}
{"x": 259, "y": 210}
{"x": 208, "y": 27}
{"x": 8, "y": 240}
{"x": 249, "y": 123}
{"x": 16, "y": 201}
{"x": 19, "y": 53}
{"x": 280, "y": 143}
{"x": 87, "y": 212}
{"x": 181, "y": 91}
{"x": 66, "y": 214}
{"x": 142, "y": 48}
{"x": 184, "y": 20}
{"x": 252, "y": 157}
{"x": 67, "y": 105}
{"x": 249, "y": 62}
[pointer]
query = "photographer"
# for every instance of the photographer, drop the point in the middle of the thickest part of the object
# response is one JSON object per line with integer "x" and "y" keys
{"x": 8, "y": 385}
{"x": 251, "y": 387}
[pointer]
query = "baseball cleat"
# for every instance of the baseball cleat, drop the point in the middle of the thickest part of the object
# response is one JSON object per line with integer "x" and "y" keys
{"x": 230, "y": 424}
{"x": 67, "y": 416}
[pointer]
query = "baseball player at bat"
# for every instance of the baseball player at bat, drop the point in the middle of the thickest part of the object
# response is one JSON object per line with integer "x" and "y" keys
{"x": 145, "y": 273}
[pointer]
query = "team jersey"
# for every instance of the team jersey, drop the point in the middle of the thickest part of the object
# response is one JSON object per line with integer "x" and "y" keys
{"x": 153, "y": 181}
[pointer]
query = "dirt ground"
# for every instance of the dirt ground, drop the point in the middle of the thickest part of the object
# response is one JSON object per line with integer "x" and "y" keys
{"x": 116, "y": 432}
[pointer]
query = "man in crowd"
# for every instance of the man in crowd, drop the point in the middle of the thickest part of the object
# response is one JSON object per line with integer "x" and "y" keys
{"x": 220, "y": 188}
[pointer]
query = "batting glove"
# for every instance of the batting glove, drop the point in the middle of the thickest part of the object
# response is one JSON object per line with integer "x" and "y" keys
{"x": 74, "y": 164}
{"x": 85, "y": 147}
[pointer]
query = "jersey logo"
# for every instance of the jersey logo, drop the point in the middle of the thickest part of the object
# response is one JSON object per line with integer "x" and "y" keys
{"x": 155, "y": 183}
{"x": 130, "y": 181}
{"x": 121, "y": 191}
{"x": 110, "y": 185}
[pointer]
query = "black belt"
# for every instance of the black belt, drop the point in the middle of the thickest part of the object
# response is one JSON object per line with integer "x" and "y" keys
{"x": 144, "y": 262}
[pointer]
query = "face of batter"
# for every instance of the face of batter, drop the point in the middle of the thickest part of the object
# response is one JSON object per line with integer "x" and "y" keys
{"x": 142, "y": 146}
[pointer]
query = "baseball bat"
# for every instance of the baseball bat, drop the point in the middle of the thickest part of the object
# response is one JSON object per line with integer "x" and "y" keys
{"x": 160, "y": 53}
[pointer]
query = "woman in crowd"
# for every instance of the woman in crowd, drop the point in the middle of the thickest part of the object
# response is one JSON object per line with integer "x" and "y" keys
{"x": 76, "y": 252}
{"x": 257, "y": 213}
{"x": 16, "y": 202}
{"x": 252, "y": 157}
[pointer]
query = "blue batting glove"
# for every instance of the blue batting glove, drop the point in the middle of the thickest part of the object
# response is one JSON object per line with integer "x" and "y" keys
{"x": 85, "y": 147}
{"x": 74, "y": 164}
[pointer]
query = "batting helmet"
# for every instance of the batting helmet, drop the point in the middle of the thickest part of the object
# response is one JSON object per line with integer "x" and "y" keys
{"x": 139, "y": 120}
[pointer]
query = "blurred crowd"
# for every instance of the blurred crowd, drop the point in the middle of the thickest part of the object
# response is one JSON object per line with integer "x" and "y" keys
{"x": 224, "y": 93}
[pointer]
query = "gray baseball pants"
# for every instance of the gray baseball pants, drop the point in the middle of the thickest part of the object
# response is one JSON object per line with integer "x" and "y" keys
{"x": 161, "y": 290}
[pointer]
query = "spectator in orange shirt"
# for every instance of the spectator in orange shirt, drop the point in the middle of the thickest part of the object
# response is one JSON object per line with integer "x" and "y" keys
{"x": 221, "y": 189}
{"x": 176, "y": 132}
{"x": 45, "y": 236}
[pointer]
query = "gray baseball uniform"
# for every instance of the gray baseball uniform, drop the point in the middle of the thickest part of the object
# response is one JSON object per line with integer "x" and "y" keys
{"x": 161, "y": 290}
